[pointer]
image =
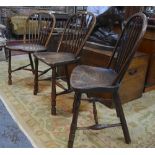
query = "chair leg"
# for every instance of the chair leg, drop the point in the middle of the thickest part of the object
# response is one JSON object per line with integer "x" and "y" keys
{"x": 122, "y": 117}
{"x": 53, "y": 93}
{"x": 31, "y": 63}
{"x": 117, "y": 110}
{"x": 73, "y": 126}
{"x": 36, "y": 76}
{"x": 9, "y": 68}
{"x": 67, "y": 76}
{"x": 74, "y": 102}
{"x": 6, "y": 53}
{"x": 95, "y": 112}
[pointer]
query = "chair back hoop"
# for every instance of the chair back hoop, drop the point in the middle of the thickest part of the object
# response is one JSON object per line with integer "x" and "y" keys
{"x": 39, "y": 28}
{"x": 77, "y": 29}
{"x": 127, "y": 45}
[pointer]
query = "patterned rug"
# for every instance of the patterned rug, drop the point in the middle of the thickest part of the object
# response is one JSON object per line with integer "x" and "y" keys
{"x": 33, "y": 115}
{"x": 10, "y": 134}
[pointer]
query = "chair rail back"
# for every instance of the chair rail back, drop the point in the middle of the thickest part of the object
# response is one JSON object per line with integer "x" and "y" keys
{"x": 77, "y": 30}
{"x": 39, "y": 28}
{"x": 127, "y": 44}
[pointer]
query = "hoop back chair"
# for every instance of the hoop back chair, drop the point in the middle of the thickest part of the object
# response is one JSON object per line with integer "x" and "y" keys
{"x": 77, "y": 30}
{"x": 87, "y": 79}
{"x": 38, "y": 30}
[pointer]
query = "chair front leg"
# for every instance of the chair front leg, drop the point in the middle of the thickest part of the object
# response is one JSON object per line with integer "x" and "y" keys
{"x": 122, "y": 117}
{"x": 31, "y": 63}
{"x": 35, "y": 91}
{"x": 74, "y": 102}
{"x": 117, "y": 110}
{"x": 95, "y": 112}
{"x": 53, "y": 93}
{"x": 9, "y": 68}
{"x": 73, "y": 127}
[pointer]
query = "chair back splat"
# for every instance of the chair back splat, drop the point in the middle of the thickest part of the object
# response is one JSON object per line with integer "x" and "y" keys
{"x": 39, "y": 28}
{"x": 127, "y": 45}
{"x": 77, "y": 29}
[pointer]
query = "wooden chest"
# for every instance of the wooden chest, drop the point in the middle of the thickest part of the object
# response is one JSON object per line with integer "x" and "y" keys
{"x": 132, "y": 85}
{"x": 148, "y": 46}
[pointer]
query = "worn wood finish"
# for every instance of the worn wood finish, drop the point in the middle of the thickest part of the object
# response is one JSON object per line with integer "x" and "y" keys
{"x": 38, "y": 30}
{"x": 86, "y": 79}
{"x": 77, "y": 30}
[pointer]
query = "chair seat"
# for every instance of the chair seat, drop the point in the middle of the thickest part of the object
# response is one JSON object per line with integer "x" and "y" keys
{"x": 28, "y": 47}
{"x": 86, "y": 77}
{"x": 56, "y": 58}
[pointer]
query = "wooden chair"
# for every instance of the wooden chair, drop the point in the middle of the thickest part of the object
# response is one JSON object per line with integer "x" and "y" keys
{"x": 38, "y": 30}
{"x": 87, "y": 79}
{"x": 73, "y": 38}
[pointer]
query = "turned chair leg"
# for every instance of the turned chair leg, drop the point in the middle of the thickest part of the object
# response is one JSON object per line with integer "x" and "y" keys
{"x": 95, "y": 112}
{"x": 9, "y": 68}
{"x": 73, "y": 126}
{"x": 122, "y": 117}
{"x": 31, "y": 63}
{"x": 36, "y": 76}
{"x": 53, "y": 93}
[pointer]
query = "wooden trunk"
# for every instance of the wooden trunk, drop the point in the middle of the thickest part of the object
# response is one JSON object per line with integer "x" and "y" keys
{"x": 148, "y": 46}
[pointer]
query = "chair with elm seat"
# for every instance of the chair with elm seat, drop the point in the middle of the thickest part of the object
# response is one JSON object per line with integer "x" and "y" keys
{"x": 38, "y": 30}
{"x": 77, "y": 30}
{"x": 87, "y": 79}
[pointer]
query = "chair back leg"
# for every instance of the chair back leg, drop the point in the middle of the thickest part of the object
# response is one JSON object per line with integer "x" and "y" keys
{"x": 35, "y": 91}
{"x": 120, "y": 113}
{"x": 53, "y": 93}
{"x": 6, "y": 53}
{"x": 95, "y": 112}
{"x": 77, "y": 101}
{"x": 31, "y": 62}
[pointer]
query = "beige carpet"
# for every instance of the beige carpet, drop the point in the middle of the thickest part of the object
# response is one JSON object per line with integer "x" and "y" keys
{"x": 34, "y": 118}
